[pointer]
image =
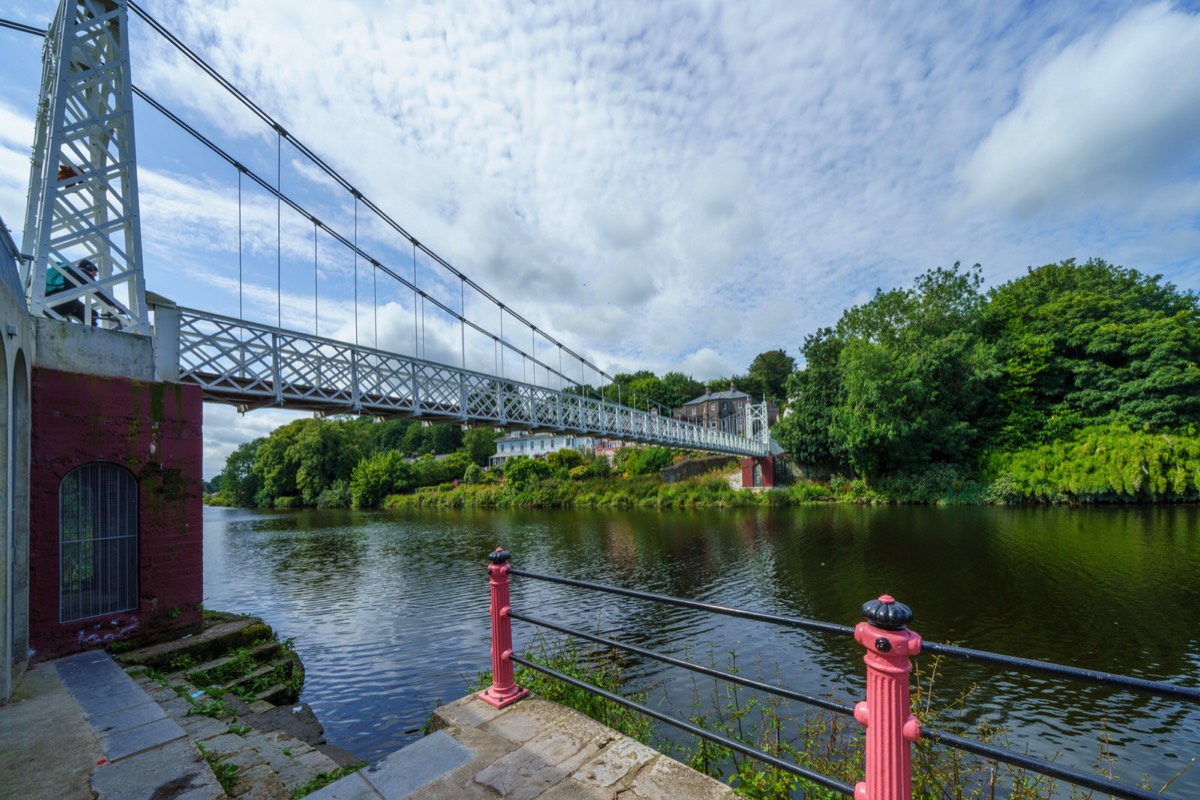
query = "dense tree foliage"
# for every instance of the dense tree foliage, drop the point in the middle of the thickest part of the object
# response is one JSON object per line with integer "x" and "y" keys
{"x": 899, "y": 383}
{"x": 944, "y": 374}
{"x": 1087, "y": 344}
{"x": 238, "y": 481}
{"x": 772, "y": 369}
{"x": 480, "y": 444}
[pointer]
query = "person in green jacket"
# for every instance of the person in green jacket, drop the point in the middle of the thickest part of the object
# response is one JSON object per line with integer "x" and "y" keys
{"x": 57, "y": 283}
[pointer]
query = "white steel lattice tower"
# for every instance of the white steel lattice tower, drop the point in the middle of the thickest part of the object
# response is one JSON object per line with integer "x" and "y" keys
{"x": 83, "y": 194}
{"x": 756, "y": 422}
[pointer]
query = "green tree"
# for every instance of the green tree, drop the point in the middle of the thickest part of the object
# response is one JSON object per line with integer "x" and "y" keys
{"x": 378, "y": 475}
{"x": 772, "y": 369}
{"x": 238, "y": 480}
{"x": 326, "y": 451}
{"x": 813, "y": 394}
{"x": 433, "y": 439}
{"x": 305, "y": 457}
{"x": 677, "y": 389}
{"x": 480, "y": 444}
{"x": 899, "y": 383}
{"x": 1086, "y": 344}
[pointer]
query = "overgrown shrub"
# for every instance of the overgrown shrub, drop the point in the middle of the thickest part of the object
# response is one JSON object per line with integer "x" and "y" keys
{"x": 336, "y": 496}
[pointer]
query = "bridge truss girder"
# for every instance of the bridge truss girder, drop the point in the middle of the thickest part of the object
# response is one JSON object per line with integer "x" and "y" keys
{"x": 255, "y": 366}
{"x": 83, "y": 193}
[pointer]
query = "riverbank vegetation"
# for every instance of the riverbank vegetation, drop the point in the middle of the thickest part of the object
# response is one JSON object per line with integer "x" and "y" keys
{"x": 1075, "y": 383}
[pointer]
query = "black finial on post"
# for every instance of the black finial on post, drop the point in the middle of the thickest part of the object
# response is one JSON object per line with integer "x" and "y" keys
{"x": 886, "y": 614}
{"x": 499, "y": 556}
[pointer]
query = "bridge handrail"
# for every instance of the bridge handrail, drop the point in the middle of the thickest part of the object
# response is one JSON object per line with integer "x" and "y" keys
{"x": 504, "y": 689}
{"x": 515, "y": 402}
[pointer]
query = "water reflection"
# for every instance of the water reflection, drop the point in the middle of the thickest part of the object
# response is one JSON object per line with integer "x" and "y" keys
{"x": 389, "y": 611}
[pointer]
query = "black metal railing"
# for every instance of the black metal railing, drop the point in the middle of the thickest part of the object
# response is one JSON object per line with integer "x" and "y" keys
{"x": 502, "y": 613}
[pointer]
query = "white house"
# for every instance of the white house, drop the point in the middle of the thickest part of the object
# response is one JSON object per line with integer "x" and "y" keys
{"x": 537, "y": 445}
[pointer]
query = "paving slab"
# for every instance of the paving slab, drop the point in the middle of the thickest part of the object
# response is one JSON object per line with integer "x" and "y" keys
{"x": 405, "y": 771}
{"x": 351, "y": 787}
{"x": 176, "y": 770}
{"x": 124, "y": 743}
{"x": 614, "y": 762}
{"x": 667, "y": 779}
{"x": 128, "y": 717}
{"x": 47, "y": 748}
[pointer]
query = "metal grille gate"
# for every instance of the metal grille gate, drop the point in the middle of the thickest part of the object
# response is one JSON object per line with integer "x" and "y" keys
{"x": 98, "y": 542}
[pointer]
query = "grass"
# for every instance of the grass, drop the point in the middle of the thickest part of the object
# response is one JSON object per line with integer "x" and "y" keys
{"x": 599, "y": 667}
{"x": 323, "y": 779}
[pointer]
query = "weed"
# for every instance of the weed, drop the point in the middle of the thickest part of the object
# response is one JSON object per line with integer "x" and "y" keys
{"x": 226, "y": 773}
{"x": 239, "y": 729}
{"x": 182, "y": 662}
{"x": 211, "y": 708}
{"x": 325, "y": 778}
{"x": 601, "y": 668}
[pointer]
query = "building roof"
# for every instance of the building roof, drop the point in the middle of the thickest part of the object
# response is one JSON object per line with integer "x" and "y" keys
{"x": 731, "y": 394}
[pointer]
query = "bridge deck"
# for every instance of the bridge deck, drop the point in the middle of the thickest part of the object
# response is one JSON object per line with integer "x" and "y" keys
{"x": 255, "y": 366}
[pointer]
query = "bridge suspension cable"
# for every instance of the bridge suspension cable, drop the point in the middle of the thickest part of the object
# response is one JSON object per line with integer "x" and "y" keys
{"x": 283, "y": 134}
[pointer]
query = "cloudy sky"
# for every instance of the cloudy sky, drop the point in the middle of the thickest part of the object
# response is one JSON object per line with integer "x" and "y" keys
{"x": 661, "y": 185}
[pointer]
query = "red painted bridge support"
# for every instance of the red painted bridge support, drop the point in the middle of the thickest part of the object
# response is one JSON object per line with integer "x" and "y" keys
{"x": 758, "y": 472}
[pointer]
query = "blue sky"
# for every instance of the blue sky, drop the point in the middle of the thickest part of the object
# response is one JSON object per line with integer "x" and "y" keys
{"x": 662, "y": 185}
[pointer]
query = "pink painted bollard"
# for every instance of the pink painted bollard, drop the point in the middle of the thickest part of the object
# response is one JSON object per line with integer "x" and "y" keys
{"x": 504, "y": 690}
{"x": 891, "y": 730}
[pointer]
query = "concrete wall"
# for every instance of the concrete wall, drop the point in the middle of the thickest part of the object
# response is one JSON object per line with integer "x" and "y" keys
{"x": 693, "y": 467}
{"x": 152, "y": 429}
{"x": 16, "y": 349}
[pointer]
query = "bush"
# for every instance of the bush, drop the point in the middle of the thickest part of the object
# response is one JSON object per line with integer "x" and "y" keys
{"x": 1102, "y": 463}
{"x": 473, "y": 475}
{"x": 336, "y": 496}
{"x": 648, "y": 460}
{"x": 599, "y": 468}
{"x": 519, "y": 472}
{"x": 431, "y": 471}
{"x": 561, "y": 462}
{"x": 377, "y": 476}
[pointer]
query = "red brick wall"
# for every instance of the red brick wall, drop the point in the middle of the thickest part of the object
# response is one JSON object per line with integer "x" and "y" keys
{"x": 154, "y": 431}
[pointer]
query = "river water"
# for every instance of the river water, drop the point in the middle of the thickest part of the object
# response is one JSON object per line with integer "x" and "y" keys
{"x": 389, "y": 610}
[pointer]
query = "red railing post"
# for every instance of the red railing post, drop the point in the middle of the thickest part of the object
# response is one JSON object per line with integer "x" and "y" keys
{"x": 504, "y": 690}
{"x": 890, "y": 728}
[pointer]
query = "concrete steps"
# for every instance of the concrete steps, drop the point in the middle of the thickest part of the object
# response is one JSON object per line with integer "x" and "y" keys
{"x": 232, "y": 688}
{"x": 271, "y": 761}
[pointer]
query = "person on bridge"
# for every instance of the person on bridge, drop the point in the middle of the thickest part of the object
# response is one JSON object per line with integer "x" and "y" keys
{"x": 63, "y": 278}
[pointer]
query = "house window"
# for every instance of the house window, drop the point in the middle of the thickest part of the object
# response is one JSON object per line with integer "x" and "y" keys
{"x": 97, "y": 542}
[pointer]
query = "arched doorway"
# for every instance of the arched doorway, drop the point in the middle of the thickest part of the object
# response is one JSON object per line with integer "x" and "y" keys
{"x": 97, "y": 541}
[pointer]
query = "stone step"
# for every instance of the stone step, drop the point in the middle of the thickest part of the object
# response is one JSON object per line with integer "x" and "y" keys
{"x": 210, "y": 643}
{"x": 272, "y": 759}
{"x": 259, "y": 653}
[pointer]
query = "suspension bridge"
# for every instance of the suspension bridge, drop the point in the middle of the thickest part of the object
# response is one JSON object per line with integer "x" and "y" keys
{"x": 82, "y": 214}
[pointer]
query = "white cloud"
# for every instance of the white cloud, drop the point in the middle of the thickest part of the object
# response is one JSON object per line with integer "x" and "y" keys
{"x": 662, "y": 185}
{"x": 1112, "y": 116}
